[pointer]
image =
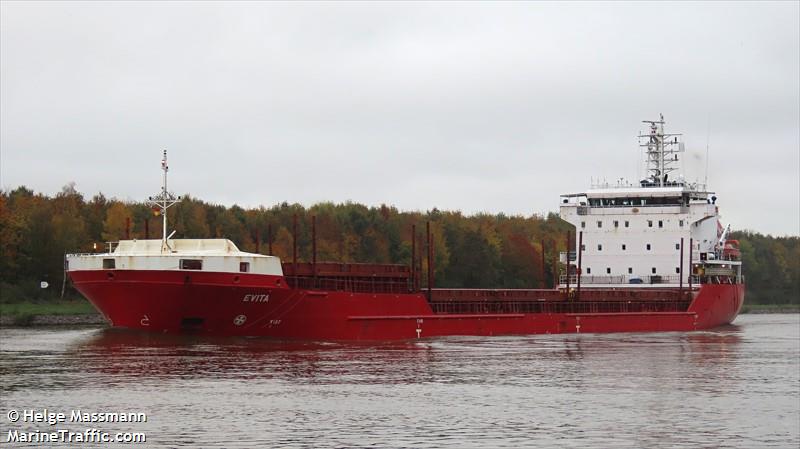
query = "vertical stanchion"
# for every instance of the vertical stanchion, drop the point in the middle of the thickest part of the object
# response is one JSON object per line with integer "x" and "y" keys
{"x": 680, "y": 272}
{"x": 567, "y": 281}
{"x": 269, "y": 238}
{"x": 542, "y": 284}
{"x": 294, "y": 246}
{"x": 691, "y": 247}
{"x": 314, "y": 248}
{"x": 428, "y": 238}
{"x": 413, "y": 257}
{"x": 579, "y": 249}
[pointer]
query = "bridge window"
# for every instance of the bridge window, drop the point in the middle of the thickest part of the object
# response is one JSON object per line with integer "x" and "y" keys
{"x": 191, "y": 264}
{"x": 109, "y": 264}
{"x": 244, "y": 267}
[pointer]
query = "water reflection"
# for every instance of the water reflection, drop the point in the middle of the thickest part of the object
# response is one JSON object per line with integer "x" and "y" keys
{"x": 132, "y": 353}
{"x": 123, "y": 353}
{"x": 735, "y": 386}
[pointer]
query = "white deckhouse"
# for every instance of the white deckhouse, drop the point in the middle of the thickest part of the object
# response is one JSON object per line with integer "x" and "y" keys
{"x": 640, "y": 235}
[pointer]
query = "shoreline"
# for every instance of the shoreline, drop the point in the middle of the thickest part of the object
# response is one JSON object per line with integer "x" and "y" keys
{"x": 12, "y": 320}
{"x": 51, "y": 320}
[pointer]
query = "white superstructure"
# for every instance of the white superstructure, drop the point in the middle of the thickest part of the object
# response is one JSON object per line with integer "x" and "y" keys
{"x": 214, "y": 255}
{"x": 636, "y": 234}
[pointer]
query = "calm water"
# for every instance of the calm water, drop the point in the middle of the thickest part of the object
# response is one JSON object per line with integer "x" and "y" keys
{"x": 737, "y": 386}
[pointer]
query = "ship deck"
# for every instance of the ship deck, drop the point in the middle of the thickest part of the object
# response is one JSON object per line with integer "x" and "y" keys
{"x": 397, "y": 279}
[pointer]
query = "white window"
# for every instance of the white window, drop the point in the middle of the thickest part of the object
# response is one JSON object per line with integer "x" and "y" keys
{"x": 599, "y": 224}
{"x": 648, "y": 247}
{"x": 680, "y": 223}
{"x": 649, "y": 223}
{"x": 630, "y": 270}
{"x": 653, "y": 270}
{"x": 608, "y": 270}
{"x": 627, "y": 223}
{"x": 583, "y": 224}
{"x": 624, "y": 247}
{"x": 660, "y": 223}
{"x": 583, "y": 247}
{"x": 616, "y": 223}
{"x": 678, "y": 270}
{"x": 588, "y": 270}
{"x": 677, "y": 246}
{"x": 599, "y": 247}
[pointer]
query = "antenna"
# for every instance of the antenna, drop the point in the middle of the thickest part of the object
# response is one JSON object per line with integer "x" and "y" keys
{"x": 708, "y": 139}
{"x": 162, "y": 202}
{"x": 661, "y": 150}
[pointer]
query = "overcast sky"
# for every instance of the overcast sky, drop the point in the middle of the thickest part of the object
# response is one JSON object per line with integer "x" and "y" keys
{"x": 475, "y": 106}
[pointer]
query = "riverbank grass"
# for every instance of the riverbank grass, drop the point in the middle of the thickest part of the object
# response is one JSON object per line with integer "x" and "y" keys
{"x": 22, "y": 313}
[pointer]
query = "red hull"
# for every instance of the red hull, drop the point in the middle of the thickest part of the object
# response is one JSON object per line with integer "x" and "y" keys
{"x": 258, "y": 305}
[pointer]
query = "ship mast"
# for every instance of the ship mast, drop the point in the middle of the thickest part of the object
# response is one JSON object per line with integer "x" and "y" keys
{"x": 162, "y": 202}
{"x": 662, "y": 153}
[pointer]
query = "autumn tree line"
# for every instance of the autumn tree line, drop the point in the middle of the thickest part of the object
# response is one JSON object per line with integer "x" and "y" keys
{"x": 478, "y": 251}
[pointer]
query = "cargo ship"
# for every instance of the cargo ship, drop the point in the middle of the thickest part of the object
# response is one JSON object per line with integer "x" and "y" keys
{"x": 650, "y": 256}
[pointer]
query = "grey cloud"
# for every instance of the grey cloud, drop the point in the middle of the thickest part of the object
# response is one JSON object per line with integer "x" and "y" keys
{"x": 471, "y": 106}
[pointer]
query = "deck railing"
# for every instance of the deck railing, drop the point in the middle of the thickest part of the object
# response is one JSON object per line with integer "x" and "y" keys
{"x": 564, "y": 306}
{"x": 620, "y": 279}
{"x": 350, "y": 284}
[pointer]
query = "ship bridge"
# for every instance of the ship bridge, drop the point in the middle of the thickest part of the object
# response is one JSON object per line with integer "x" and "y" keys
{"x": 654, "y": 232}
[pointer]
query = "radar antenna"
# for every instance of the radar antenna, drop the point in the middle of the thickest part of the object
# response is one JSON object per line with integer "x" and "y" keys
{"x": 161, "y": 202}
{"x": 662, "y": 153}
